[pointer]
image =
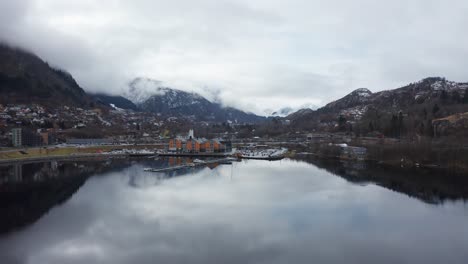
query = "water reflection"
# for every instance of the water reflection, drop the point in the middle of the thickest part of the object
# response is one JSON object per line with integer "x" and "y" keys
{"x": 430, "y": 186}
{"x": 29, "y": 190}
{"x": 146, "y": 179}
{"x": 248, "y": 212}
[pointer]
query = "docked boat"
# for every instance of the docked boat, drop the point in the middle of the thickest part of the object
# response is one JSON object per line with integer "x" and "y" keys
{"x": 265, "y": 154}
{"x": 141, "y": 153}
{"x": 199, "y": 161}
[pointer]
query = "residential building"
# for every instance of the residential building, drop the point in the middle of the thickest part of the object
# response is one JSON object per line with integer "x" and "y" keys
{"x": 16, "y": 139}
{"x": 23, "y": 137}
{"x": 48, "y": 138}
{"x": 190, "y": 144}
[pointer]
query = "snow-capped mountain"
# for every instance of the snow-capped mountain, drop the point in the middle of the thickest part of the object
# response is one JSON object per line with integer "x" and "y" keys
{"x": 420, "y": 96}
{"x": 141, "y": 89}
{"x": 356, "y": 97}
{"x": 282, "y": 112}
{"x": 149, "y": 95}
{"x": 286, "y": 111}
{"x": 300, "y": 114}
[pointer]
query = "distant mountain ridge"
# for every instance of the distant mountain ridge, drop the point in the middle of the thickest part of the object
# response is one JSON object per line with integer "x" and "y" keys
{"x": 422, "y": 101}
{"x": 149, "y": 95}
{"x": 141, "y": 89}
{"x": 26, "y": 79}
{"x": 282, "y": 112}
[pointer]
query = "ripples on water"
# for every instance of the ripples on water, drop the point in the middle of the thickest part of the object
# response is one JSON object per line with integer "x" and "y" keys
{"x": 288, "y": 211}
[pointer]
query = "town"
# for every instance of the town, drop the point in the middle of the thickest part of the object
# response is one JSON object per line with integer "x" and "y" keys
{"x": 35, "y": 125}
{"x": 190, "y": 144}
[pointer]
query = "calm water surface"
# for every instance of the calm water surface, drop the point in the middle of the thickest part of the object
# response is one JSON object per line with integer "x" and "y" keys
{"x": 249, "y": 212}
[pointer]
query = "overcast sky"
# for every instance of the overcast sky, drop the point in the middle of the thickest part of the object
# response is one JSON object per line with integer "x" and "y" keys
{"x": 254, "y": 54}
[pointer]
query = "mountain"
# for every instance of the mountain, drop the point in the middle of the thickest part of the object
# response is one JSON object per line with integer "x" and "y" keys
{"x": 285, "y": 111}
{"x": 25, "y": 78}
{"x": 413, "y": 107}
{"x": 150, "y": 96}
{"x": 141, "y": 89}
{"x": 115, "y": 101}
{"x": 301, "y": 113}
{"x": 357, "y": 97}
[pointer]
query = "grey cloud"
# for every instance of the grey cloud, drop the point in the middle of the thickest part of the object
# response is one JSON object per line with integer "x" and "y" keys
{"x": 12, "y": 14}
{"x": 13, "y": 11}
{"x": 302, "y": 51}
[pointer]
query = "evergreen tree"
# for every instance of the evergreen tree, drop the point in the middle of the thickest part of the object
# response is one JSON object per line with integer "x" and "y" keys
{"x": 429, "y": 129}
{"x": 456, "y": 98}
{"x": 394, "y": 126}
{"x": 342, "y": 123}
{"x": 435, "y": 109}
{"x": 421, "y": 128}
{"x": 444, "y": 95}
{"x": 465, "y": 97}
{"x": 400, "y": 124}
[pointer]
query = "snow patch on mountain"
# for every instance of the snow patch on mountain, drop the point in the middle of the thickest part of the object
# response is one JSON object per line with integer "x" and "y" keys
{"x": 356, "y": 112}
{"x": 287, "y": 110}
{"x": 116, "y": 108}
{"x": 282, "y": 112}
{"x": 444, "y": 85}
{"x": 153, "y": 96}
{"x": 363, "y": 92}
{"x": 141, "y": 89}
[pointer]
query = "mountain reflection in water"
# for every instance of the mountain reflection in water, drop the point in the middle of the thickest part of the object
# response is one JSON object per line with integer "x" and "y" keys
{"x": 289, "y": 211}
{"x": 427, "y": 185}
{"x": 29, "y": 190}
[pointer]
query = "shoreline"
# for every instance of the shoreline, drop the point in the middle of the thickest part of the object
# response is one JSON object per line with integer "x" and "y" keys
{"x": 61, "y": 157}
{"x": 54, "y": 153}
{"x": 390, "y": 164}
{"x": 42, "y": 155}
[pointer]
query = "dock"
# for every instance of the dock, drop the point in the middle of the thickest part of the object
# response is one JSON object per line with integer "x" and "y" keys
{"x": 153, "y": 154}
{"x": 191, "y": 165}
{"x": 194, "y": 155}
{"x": 270, "y": 158}
{"x": 268, "y": 154}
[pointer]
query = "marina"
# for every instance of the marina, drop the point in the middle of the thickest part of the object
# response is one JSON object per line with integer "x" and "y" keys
{"x": 265, "y": 154}
{"x": 195, "y": 155}
{"x": 195, "y": 163}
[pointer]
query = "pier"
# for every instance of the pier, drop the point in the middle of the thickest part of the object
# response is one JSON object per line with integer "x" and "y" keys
{"x": 189, "y": 165}
{"x": 194, "y": 155}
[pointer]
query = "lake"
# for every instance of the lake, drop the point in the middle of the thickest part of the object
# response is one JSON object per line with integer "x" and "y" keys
{"x": 289, "y": 211}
